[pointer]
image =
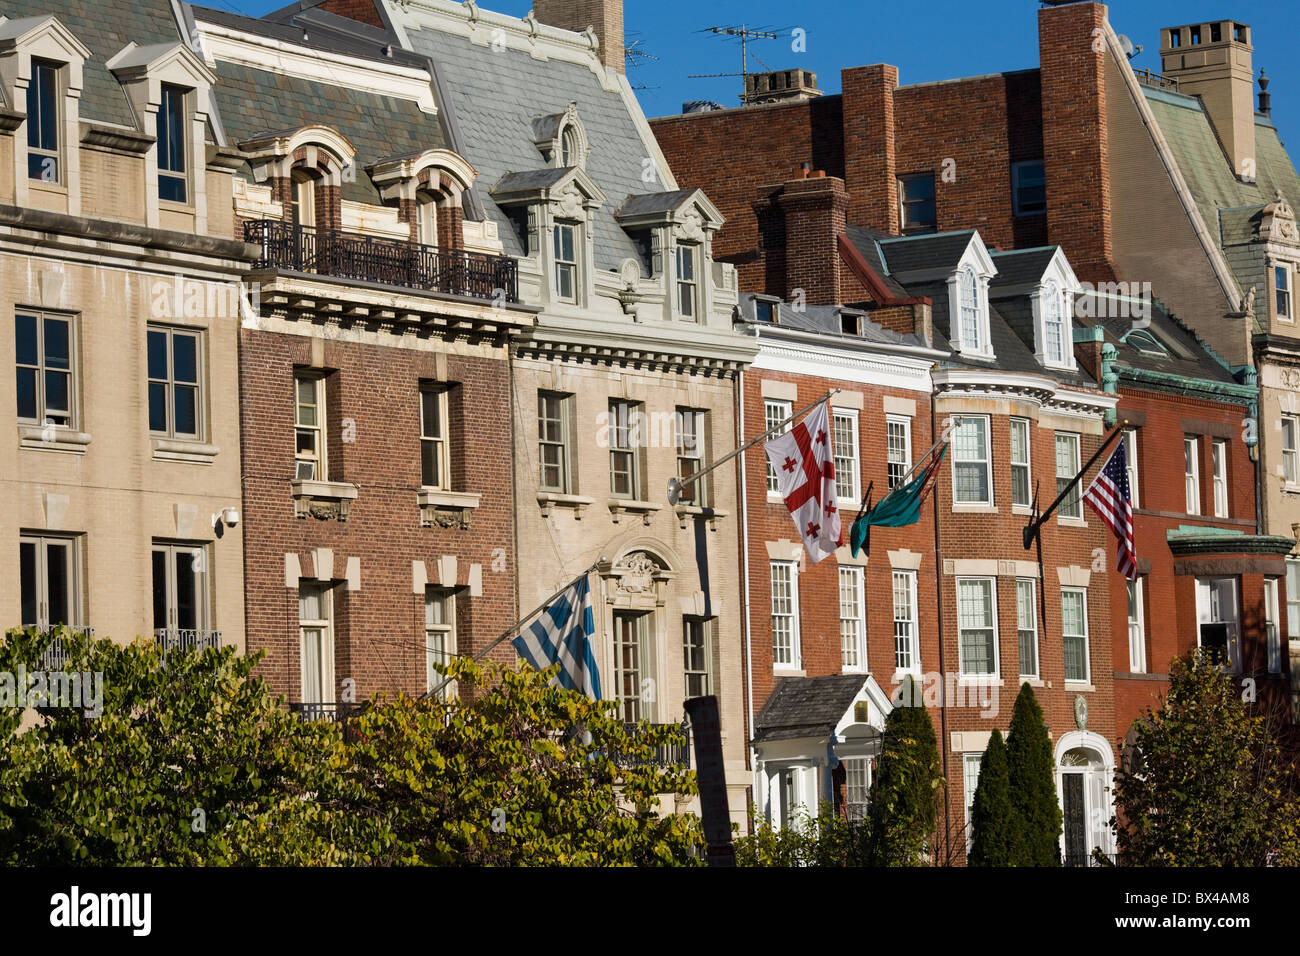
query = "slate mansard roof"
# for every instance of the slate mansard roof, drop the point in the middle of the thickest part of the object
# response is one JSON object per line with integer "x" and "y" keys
{"x": 806, "y": 706}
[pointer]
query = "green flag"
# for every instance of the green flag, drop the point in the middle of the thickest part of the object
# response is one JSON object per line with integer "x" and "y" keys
{"x": 900, "y": 507}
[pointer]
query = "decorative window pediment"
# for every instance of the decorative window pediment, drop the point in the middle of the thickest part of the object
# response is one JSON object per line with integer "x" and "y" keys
{"x": 1277, "y": 222}
{"x": 45, "y": 38}
{"x": 968, "y": 300}
{"x": 437, "y": 170}
{"x": 570, "y": 192}
{"x": 275, "y": 153}
{"x": 561, "y": 139}
{"x": 143, "y": 70}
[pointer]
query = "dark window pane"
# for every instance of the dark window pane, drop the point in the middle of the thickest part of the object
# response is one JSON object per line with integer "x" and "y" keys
{"x": 27, "y": 393}
{"x": 432, "y": 424}
{"x": 25, "y": 340}
{"x": 157, "y": 354}
{"x": 159, "y": 589}
{"x": 49, "y": 107}
{"x": 28, "y": 581}
{"x": 429, "y": 463}
{"x": 171, "y": 141}
{"x": 44, "y": 168}
{"x": 58, "y": 405}
{"x": 187, "y": 586}
{"x": 58, "y": 583}
{"x": 185, "y": 358}
{"x": 56, "y": 343}
{"x": 918, "y": 187}
{"x": 157, "y": 407}
{"x": 187, "y": 410}
{"x": 170, "y": 188}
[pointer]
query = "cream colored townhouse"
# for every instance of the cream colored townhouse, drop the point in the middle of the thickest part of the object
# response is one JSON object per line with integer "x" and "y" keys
{"x": 119, "y": 309}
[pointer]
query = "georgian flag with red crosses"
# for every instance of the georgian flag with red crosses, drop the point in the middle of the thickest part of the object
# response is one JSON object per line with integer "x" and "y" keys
{"x": 805, "y": 471}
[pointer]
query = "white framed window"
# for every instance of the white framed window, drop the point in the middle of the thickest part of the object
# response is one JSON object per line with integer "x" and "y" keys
{"x": 970, "y": 765}
{"x": 1067, "y": 466}
{"x": 916, "y": 203}
{"x": 1130, "y": 440}
{"x": 1290, "y": 446}
{"x": 1056, "y": 325}
{"x": 565, "y": 245}
{"x": 1218, "y": 615}
{"x": 972, "y": 460}
{"x": 1074, "y": 631}
{"x": 1027, "y": 626}
{"x": 633, "y": 666}
{"x": 857, "y": 787}
{"x": 853, "y": 623}
{"x": 1028, "y": 188}
{"x": 309, "y": 427}
{"x": 1137, "y": 638}
{"x": 971, "y": 332}
{"x": 1192, "y": 473}
{"x": 439, "y": 637}
{"x": 569, "y": 146}
{"x": 45, "y": 353}
{"x": 697, "y": 656}
{"x": 1293, "y": 599}
{"x": 785, "y": 614}
{"x": 1020, "y": 468}
{"x": 1282, "y": 292}
{"x": 554, "y": 441}
{"x": 316, "y": 637}
{"x": 49, "y": 580}
{"x": 688, "y": 289}
{"x": 775, "y": 411}
{"x": 624, "y": 455}
{"x": 173, "y": 178}
{"x": 907, "y": 645}
{"x": 1219, "y": 457}
{"x": 898, "y": 441}
{"x": 1272, "y": 633}
{"x": 844, "y": 446}
{"x": 44, "y": 121}
{"x": 977, "y": 625}
{"x": 426, "y": 218}
{"x": 175, "y": 390}
{"x": 180, "y": 587}
{"x": 692, "y": 427}
{"x": 302, "y": 202}
{"x": 435, "y": 444}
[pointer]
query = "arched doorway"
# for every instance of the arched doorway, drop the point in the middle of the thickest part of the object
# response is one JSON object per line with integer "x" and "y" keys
{"x": 1085, "y": 768}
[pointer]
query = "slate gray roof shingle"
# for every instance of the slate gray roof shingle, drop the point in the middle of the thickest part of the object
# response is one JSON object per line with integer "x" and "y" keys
{"x": 497, "y": 95}
{"x": 1187, "y": 356}
{"x": 104, "y": 27}
{"x": 806, "y": 706}
{"x": 940, "y": 250}
{"x": 825, "y": 319}
{"x": 1020, "y": 266}
{"x": 867, "y": 242}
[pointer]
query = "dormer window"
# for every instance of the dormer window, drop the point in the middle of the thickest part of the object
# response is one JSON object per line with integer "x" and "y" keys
{"x": 302, "y": 203}
{"x": 1146, "y": 343}
{"x": 687, "y": 285}
{"x": 561, "y": 139}
{"x": 972, "y": 322}
{"x": 172, "y": 186}
{"x": 569, "y": 146}
{"x": 1054, "y": 324}
{"x": 764, "y": 310}
{"x": 426, "y": 207}
{"x": 566, "y": 262}
{"x": 43, "y": 122}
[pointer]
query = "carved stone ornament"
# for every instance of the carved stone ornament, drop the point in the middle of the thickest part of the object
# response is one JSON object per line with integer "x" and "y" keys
{"x": 636, "y": 576}
{"x": 569, "y": 202}
{"x": 1081, "y": 712}
{"x": 690, "y": 227}
{"x": 1278, "y": 223}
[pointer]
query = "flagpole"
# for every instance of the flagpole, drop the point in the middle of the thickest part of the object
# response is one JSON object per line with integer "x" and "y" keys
{"x": 514, "y": 628}
{"x": 1031, "y": 529}
{"x": 675, "y": 485}
{"x": 908, "y": 476}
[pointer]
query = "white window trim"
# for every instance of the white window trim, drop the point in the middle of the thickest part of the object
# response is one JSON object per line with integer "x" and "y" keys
{"x": 694, "y": 250}
{"x": 1027, "y": 464}
{"x": 1272, "y": 628}
{"x": 1087, "y": 643}
{"x": 906, "y": 424}
{"x": 1294, "y": 451}
{"x": 1077, "y": 441}
{"x": 706, "y": 631}
{"x": 326, "y": 626}
{"x": 1052, "y": 289}
{"x": 1293, "y": 601}
{"x": 914, "y": 640}
{"x": 1194, "y": 476}
{"x": 796, "y": 649}
{"x": 565, "y": 444}
{"x": 447, "y": 596}
{"x": 855, "y": 471}
{"x": 1137, "y": 643}
{"x": 988, "y": 465}
{"x": 440, "y": 390}
{"x": 860, "y": 619}
{"x": 1130, "y": 439}
{"x": 997, "y": 636}
{"x": 198, "y": 554}
{"x": 1033, "y": 626}
{"x": 970, "y": 763}
{"x": 787, "y": 409}
{"x": 1290, "y": 291}
{"x": 575, "y": 263}
{"x": 635, "y": 422}
{"x": 76, "y": 609}
{"x": 321, "y": 471}
{"x": 1219, "y": 480}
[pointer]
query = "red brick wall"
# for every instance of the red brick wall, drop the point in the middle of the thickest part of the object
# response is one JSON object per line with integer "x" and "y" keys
{"x": 379, "y": 630}
{"x": 870, "y": 166}
{"x": 363, "y": 10}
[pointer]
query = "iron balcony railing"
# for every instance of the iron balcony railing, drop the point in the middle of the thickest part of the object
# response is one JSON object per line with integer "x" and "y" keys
{"x": 1151, "y": 78}
{"x": 665, "y": 755}
{"x": 56, "y": 655}
{"x": 328, "y": 252}
{"x": 186, "y": 638}
{"x": 336, "y": 713}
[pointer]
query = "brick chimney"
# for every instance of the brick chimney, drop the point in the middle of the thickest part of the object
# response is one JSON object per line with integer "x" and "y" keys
{"x": 869, "y": 165}
{"x": 605, "y": 17}
{"x": 814, "y": 210}
{"x": 781, "y": 86}
{"x": 1212, "y": 61}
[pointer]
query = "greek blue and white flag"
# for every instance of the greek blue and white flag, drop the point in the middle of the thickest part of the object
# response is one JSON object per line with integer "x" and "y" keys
{"x": 562, "y": 633}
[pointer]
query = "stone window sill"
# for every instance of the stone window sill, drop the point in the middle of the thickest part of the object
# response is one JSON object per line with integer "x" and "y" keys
{"x": 685, "y": 513}
{"x": 446, "y": 509}
{"x": 1022, "y": 509}
{"x": 45, "y": 438}
{"x": 322, "y": 499}
{"x": 550, "y": 500}
{"x": 1071, "y": 522}
{"x": 195, "y": 452}
{"x": 1078, "y": 685}
{"x": 645, "y": 510}
{"x": 787, "y": 671}
{"x": 974, "y": 509}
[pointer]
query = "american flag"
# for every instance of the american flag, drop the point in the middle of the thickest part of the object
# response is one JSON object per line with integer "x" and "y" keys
{"x": 1109, "y": 497}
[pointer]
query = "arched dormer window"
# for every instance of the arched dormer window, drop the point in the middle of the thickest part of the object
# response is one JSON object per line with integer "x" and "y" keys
{"x": 423, "y": 184}
{"x": 561, "y": 139}
{"x": 972, "y": 332}
{"x": 302, "y": 211}
{"x": 569, "y": 146}
{"x": 426, "y": 217}
{"x": 1054, "y": 324}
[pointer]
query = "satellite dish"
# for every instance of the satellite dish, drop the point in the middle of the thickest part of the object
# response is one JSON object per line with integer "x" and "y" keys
{"x": 1127, "y": 46}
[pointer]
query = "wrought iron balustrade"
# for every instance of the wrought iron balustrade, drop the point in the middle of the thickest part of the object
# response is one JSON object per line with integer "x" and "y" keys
{"x": 665, "y": 755}
{"x": 186, "y": 638}
{"x": 55, "y": 657}
{"x": 327, "y": 252}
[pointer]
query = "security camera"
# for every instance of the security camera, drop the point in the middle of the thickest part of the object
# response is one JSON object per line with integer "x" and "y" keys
{"x": 230, "y": 516}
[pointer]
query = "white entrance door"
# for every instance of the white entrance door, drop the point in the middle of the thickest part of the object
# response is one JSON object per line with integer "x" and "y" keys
{"x": 1218, "y": 620}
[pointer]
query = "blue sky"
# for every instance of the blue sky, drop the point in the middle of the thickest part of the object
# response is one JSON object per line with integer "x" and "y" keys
{"x": 934, "y": 40}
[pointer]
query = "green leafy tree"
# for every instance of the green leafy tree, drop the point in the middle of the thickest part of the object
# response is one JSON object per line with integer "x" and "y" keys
{"x": 510, "y": 779}
{"x": 828, "y": 840}
{"x": 1033, "y": 784}
{"x": 191, "y": 761}
{"x": 907, "y": 788}
{"x": 1206, "y": 782}
{"x": 995, "y": 824}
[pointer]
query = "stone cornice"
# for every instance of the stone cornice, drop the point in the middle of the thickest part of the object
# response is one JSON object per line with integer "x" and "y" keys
{"x": 1212, "y": 541}
{"x": 1228, "y": 392}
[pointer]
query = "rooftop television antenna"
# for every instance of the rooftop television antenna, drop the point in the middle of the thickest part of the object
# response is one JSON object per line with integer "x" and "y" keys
{"x": 745, "y": 34}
